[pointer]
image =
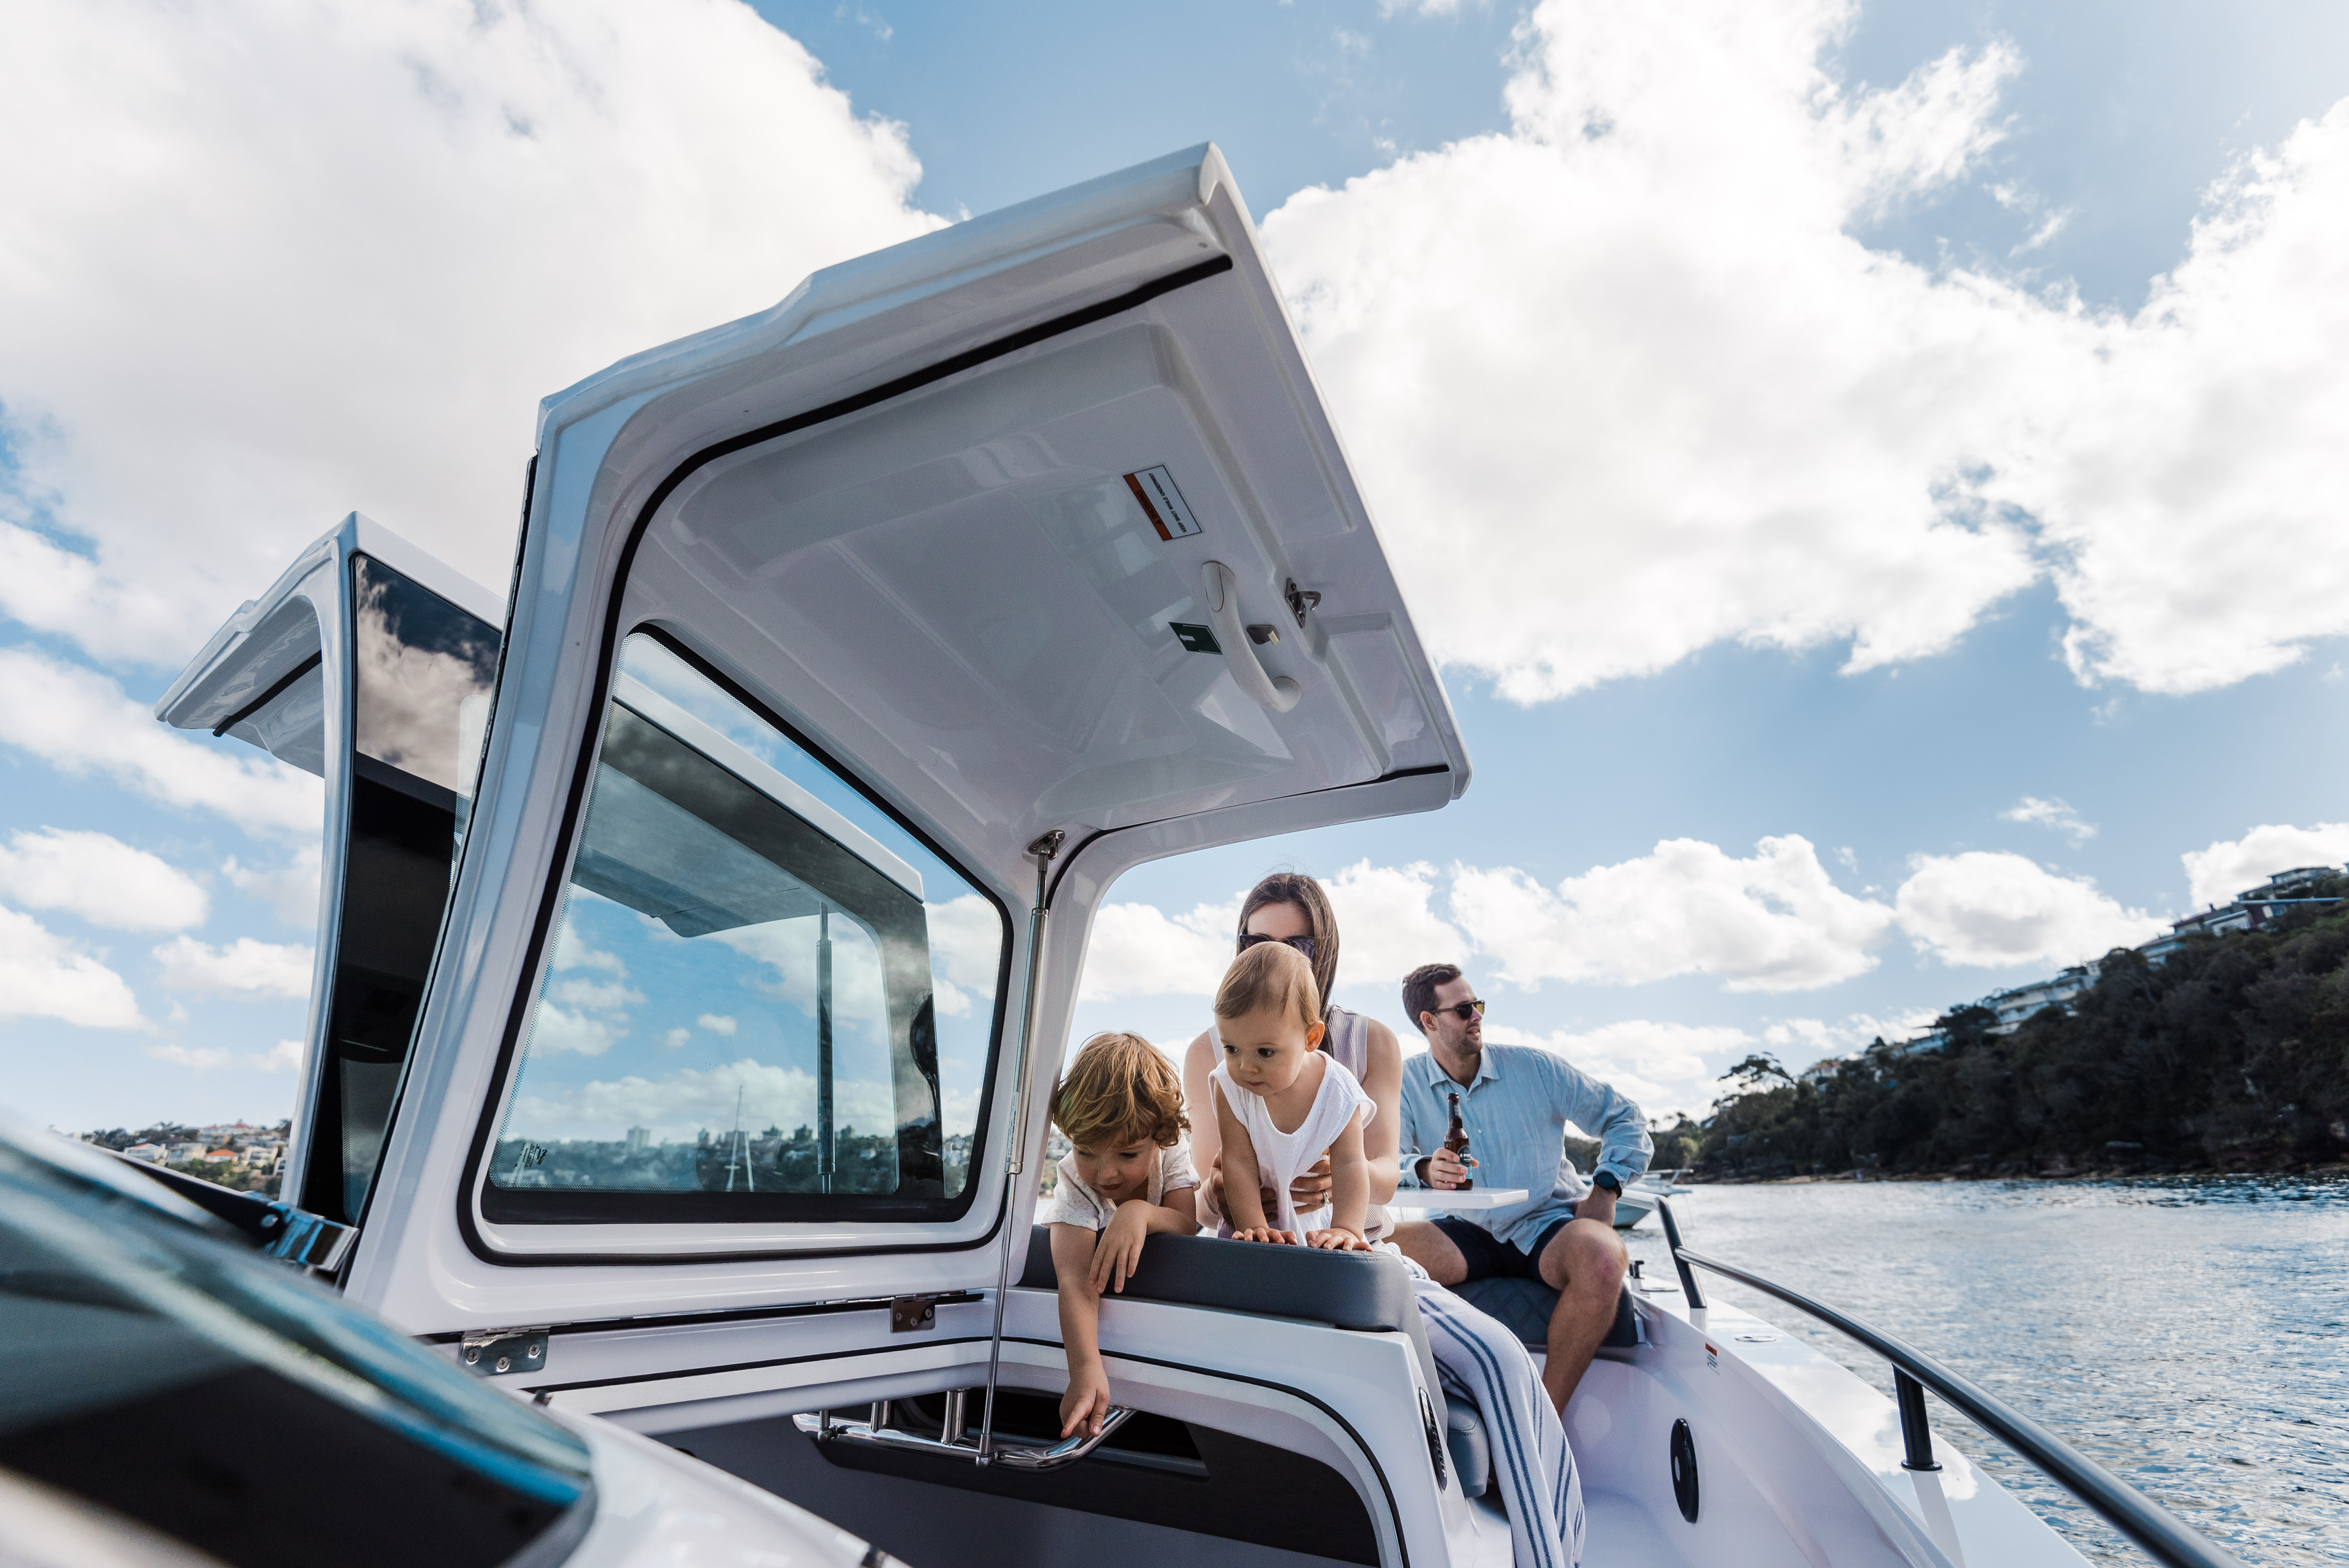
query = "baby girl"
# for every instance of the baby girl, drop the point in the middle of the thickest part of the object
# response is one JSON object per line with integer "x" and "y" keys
{"x": 1282, "y": 1104}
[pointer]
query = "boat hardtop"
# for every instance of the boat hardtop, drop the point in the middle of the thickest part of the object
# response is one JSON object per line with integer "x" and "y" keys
{"x": 700, "y": 929}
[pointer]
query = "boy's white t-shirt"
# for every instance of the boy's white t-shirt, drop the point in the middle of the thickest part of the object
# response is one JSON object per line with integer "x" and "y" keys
{"x": 1282, "y": 1156}
{"x": 1074, "y": 1203}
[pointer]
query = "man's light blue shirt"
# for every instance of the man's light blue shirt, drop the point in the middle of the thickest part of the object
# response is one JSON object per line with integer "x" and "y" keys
{"x": 1516, "y": 1113}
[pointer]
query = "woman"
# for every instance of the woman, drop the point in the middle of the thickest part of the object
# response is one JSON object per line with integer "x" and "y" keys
{"x": 1482, "y": 1362}
{"x": 1289, "y": 907}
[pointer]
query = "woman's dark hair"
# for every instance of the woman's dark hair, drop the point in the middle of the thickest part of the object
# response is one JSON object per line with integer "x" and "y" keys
{"x": 1321, "y": 922}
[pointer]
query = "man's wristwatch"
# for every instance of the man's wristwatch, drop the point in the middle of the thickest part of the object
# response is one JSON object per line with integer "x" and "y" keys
{"x": 1608, "y": 1180}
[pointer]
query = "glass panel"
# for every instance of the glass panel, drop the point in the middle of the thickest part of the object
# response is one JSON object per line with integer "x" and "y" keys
{"x": 767, "y": 999}
{"x": 422, "y": 670}
{"x": 205, "y": 1393}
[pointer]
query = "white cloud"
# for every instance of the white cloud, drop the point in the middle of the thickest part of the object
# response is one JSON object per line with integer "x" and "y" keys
{"x": 1137, "y": 950}
{"x": 573, "y": 952}
{"x": 675, "y": 1037}
{"x": 291, "y": 891}
{"x": 1631, "y": 348}
{"x": 2054, "y": 814}
{"x": 679, "y": 1105}
{"x": 1800, "y": 1042}
{"x": 244, "y": 968}
{"x": 1776, "y": 922}
{"x": 2227, "y": 867}
{"x": 716, "y": 1024}
{"x": 1995, "y": 910}
{"x": 284, "y": 1056}
{"x": 80, "y": 723}
{"x": 101, "y": 879}
{"x": 43, "y": 975}
{"x": 356, "y": 235}
{"x": 1389, "y": 926}
{"x": 595, "y": 995}
{"x": 556, "y": 1030}
{"x": 966, "y": 942}
{"x": 1666, "y": 1068}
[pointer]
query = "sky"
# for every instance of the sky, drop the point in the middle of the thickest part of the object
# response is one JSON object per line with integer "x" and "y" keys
{"x": 1872, "y": 475}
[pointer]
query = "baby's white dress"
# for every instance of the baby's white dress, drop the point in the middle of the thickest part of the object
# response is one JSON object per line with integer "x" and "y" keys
{"x": 1282, "y": 1156}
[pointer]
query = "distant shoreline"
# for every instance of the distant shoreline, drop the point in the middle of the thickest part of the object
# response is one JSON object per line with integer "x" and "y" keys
{"x": 2095, "y": 1173}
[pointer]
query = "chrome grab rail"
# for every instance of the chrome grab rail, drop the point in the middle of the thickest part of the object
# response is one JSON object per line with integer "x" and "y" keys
{"x": 2164, "y": 1536}
{"x": 1018, "y": 1454}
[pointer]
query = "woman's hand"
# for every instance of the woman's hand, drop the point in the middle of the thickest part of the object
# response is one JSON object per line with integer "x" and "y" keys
{"x": 1310, "y": 1190}
{"x": 1119, "y": 1252}
{"x": 1086, "y": 1404}
{"x": 1265, "y": 1234}
{"x": 1337, "y": 1239}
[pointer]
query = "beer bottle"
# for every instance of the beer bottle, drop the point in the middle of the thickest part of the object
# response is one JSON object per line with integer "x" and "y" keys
{"x": 1456, "y": 1138}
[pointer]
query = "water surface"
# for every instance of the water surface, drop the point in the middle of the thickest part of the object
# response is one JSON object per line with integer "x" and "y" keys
{"x": 2186, "y": 1333}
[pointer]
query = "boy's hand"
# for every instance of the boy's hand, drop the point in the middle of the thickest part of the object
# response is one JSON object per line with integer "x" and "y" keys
{"x": 1119, "y": 1252}
{"x": 1086, "y": 1404}
{"x": 1265, "y": 1234}
{"x": 1337, "y": 1239}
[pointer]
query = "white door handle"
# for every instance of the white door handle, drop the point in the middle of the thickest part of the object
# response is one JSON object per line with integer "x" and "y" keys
{"x": 1277, "y": 692}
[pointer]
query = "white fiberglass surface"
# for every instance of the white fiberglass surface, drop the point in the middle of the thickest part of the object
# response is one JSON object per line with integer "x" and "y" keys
{"x": 746, "y": 999}
{"x": 1002, "y": 575}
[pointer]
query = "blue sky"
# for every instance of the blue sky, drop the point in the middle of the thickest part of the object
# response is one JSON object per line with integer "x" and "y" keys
{"x": 1715, "y": 590}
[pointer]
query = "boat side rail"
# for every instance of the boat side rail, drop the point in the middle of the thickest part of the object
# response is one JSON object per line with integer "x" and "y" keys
{"x": 2165, "y": 1537}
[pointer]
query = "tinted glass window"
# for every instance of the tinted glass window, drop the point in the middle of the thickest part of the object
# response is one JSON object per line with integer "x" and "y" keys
{"x": 181, "y": 1384}
{"x": 766, "y": 998}
{"x": 422, "y": 672}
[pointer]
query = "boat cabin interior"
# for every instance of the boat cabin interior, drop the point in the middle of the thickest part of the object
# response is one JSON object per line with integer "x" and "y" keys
{"x": 702, "y": 930}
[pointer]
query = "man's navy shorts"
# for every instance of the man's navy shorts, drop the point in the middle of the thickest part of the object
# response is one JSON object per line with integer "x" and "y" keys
{"x": 1489, "y": 1257}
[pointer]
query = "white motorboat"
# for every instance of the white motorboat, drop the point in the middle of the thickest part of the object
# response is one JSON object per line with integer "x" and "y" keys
{"x": 854, "y": 650}
{"x": 1637, "y": 1203}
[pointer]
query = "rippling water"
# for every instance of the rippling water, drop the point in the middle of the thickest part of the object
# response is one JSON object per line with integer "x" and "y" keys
{"x": 2188, "y": 1334}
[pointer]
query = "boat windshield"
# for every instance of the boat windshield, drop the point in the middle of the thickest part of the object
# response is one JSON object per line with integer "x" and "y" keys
{"x": 767, "y": 999}
{"x": 170, "y": 1392}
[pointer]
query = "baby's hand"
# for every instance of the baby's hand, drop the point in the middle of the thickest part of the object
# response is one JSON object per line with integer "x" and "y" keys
{"x": 1119, "y": 1252}
{"x": 1336, "y": 1240}
{"x": 1265, "y": 1234}
{"x": 1086, "y": 1404}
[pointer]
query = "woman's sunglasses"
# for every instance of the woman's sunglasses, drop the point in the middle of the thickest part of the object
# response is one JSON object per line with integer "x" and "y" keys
{"x": 1302, "y": 943}
{"x": 1464, "y": 1011}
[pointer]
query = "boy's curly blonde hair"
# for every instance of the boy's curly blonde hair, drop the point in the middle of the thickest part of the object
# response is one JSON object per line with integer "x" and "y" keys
{"x": 1120, "y": 1088}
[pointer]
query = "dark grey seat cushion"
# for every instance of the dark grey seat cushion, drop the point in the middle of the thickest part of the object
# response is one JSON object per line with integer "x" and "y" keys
{"x": 1472, "y": 1452}
{"x": 1524, "y": 1306}
{"x": 1349, "y": 1290}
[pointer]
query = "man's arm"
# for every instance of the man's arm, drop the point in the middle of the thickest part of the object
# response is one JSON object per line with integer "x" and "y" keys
{"x": 1624, "y": 1145}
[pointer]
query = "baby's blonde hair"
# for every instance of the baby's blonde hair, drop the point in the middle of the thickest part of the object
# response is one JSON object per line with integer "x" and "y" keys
{"x": 1120, "y": 1088}
{"x": 1269, "y": 974}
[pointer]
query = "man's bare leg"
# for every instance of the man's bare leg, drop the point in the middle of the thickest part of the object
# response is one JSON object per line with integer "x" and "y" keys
{"x": 1427, "y": 1245}
{"x": 1585, "y": 1263}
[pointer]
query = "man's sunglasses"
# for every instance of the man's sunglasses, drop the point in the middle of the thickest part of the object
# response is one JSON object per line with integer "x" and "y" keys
{"x": 1302, "y": 943}
{"x": 1464, "y": 1011}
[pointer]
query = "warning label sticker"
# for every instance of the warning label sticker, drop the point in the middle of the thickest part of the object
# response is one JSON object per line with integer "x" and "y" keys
{"x": 1162, "y": 503}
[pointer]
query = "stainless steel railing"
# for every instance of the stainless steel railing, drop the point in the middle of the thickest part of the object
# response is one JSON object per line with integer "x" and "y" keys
{"x": 2165, "y": 1537}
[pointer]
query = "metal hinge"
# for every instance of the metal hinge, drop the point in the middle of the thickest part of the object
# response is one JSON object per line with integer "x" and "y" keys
{"x": 912, "y": 1313}
{"x": 503, "y": 1352}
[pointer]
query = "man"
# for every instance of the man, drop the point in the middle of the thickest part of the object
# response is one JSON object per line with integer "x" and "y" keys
{"x": 1515, "y": 1103}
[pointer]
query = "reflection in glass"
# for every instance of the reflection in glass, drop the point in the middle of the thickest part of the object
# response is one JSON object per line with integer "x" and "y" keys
{"x": 419, "y": 664}
{"x": 762, "y": 990}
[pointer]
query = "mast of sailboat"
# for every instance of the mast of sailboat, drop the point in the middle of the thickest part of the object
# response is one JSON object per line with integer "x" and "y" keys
{"x": 823, "y": 1049}
{"x": 734, "y": 1144}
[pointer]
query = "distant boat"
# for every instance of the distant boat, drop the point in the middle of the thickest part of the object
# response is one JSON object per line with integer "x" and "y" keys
{"x": 1639, "y": 1200}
